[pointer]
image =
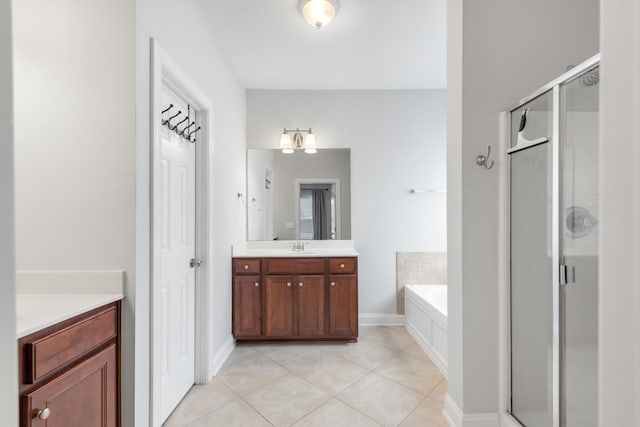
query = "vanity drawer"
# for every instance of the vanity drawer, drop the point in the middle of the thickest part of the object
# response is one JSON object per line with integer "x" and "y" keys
{"x": 46, "y": 354}
{"x": 246, "y": 265}
{"x": 342, "y": 265}
{"x": 295, "y": 265}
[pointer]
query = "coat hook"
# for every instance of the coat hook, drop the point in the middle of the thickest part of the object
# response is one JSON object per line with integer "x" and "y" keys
{"x": 178, "y": 124}
{"x": 182, "y": 132}
{"x": 168, "y": 108}
{"x": 168, "y": 121}
{"x": 483, "y": 160}
{"x": 193, "y": 131}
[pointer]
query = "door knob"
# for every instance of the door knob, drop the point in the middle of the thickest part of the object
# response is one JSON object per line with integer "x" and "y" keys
{"x": 44, "y": 414}
{"x": 333, "y": 283}
{"x": 257, "y": 285}
{"x": 194, "y": 263}
{"x": 300, "y": 284}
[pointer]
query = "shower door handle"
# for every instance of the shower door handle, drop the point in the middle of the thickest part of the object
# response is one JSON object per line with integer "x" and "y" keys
{"x": 567, "y": 274}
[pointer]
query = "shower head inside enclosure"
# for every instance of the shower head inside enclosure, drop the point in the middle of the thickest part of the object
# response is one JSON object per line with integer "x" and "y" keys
{"x": 590, "y": 78}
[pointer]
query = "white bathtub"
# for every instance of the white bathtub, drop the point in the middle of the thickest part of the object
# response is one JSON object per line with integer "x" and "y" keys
{"x": 425, "y": 308}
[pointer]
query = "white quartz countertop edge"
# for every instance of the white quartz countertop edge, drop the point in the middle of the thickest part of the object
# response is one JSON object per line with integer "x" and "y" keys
{"x": 39, "y": 311}
{"x": 282, "y": 253}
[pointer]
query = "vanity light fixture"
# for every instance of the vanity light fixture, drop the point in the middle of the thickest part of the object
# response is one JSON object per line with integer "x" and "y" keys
{"x": 306, "y": 142}
{"x": 318, "y": 13}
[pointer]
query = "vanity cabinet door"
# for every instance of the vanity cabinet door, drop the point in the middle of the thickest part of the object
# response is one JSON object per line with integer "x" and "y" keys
{"x": 343, "y": 305}
{"x": 279, "y": 303}
{"x": 247, "y": 306}
{"x": 311, "y": 291}
{"x": 85, "y": 396}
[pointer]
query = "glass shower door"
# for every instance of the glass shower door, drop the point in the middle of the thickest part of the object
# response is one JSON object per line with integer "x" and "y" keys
{"x": 533, "y": 372}
{"x": 579, "y": 213}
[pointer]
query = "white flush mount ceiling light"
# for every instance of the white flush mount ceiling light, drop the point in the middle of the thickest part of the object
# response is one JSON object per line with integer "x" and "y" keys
{"x": 306, "y": 142}
{"x": 318, "y": 13}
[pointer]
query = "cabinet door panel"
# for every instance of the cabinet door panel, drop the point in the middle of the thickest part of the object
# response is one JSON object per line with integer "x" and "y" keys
{"x": 279, "y": 304}
{"x": 247, "y": 306}
{"x": 311, "y": 306}
{"x": 343, "y": 305}
{"x": 85, "y": 396}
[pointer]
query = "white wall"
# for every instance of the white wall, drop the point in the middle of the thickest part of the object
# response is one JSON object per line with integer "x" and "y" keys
{"x": 619, "y": 316}
{"x": 323, "y": 164}
{"x": 180, "y": 27}
{"x": 8, "y": 355}
{"x": 397, "y": 143}
{"x": 75, "y": 143}
{"x": 499, "y": 51}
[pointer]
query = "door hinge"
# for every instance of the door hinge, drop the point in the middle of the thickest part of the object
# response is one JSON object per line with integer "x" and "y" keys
{"x": 194, "y": 263}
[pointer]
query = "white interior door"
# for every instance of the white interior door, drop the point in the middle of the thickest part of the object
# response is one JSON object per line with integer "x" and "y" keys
{"x": 176, "y": 284}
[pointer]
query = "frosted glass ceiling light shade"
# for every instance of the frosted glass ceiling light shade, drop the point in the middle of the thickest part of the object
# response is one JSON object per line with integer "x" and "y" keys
{"x": 310, "y": 143}
{"x": 285, "y": 143}
{"x": 318, "y": 13}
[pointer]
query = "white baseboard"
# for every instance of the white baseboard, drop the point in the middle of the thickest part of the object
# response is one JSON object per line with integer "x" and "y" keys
{"x": 456, "y": 418}
{"x": 222, "y": 355}
{"x": 508, "y": 421}
{"x": 376, "y": 319}
{"x": 440, "y": 362}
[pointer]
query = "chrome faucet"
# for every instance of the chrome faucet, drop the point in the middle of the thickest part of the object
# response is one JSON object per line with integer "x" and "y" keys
{"x": 298, "y": 247}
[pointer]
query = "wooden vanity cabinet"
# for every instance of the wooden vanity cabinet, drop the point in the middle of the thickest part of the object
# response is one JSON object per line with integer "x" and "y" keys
{"x": 295, "y": 299}
{"x": 247, "y": 306}
{"x": 70, "y": 372}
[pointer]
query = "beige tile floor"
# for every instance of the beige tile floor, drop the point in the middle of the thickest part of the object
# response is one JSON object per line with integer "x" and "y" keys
{"x": 385, "y": 379}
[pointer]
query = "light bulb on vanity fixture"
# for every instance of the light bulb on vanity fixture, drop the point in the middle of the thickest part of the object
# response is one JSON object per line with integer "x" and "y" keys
{"x": 306, "y": 142}
{"x": 318, "y": 13}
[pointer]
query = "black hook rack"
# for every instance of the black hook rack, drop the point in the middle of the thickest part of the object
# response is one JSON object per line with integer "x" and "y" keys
{"x": 184, "y": 132}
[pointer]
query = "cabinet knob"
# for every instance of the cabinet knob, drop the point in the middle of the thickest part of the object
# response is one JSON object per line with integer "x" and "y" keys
{"x": 257, "y": 284}
{"x": 289, "y": 284}
{"x": 341, "y": 265}
{"x": 333, "y": 283}
{"x": 300, "y": 284}
{"x": 44, "y": 414}
{"x": 246, "y": 266}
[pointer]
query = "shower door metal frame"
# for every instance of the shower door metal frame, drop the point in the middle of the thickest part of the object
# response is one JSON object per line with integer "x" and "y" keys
{"x": 556, "y": 87}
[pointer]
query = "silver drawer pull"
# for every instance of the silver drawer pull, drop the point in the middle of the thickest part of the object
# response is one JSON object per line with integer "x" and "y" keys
{"x": 341, "y": 265}
{"x": 257, "y": 284}
{"x": 289, "y": 284}
{"x": 44, "y": 414}
{"x": 246, "y": 266}
{"x": 300, "y": 284}
{"x": 333, "y": 283}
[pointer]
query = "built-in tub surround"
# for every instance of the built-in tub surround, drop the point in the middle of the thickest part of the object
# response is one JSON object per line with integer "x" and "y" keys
{"x": 291, "y": 248}
{"x": 418, "y": 267}
{"x": 426, "y": 320}
{"x": 44, "y": 298}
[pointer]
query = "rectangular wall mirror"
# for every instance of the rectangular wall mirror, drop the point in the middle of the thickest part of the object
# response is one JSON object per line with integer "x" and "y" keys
{"x": 298, "y": 196}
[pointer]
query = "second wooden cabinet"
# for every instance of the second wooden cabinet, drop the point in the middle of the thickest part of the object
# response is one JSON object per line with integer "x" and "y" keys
{"x": 295, "y": 299}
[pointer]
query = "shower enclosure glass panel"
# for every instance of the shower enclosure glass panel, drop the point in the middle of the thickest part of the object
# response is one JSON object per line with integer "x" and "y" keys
{"x": 579, "y": 208}
{"x": 553, "y": 290}
{"x": 531, "y": 264}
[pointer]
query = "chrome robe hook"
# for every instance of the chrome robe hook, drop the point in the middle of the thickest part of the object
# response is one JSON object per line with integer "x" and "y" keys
{"x": 483, "y": 160}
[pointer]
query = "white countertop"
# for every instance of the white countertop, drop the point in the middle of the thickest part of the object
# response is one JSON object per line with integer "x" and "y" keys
{"x": 288, "y": 253}
{"x": 38, "y": 311}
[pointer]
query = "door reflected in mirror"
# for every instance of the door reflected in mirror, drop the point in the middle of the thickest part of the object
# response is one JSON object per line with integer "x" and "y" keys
{"x": 299, "y": 196}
